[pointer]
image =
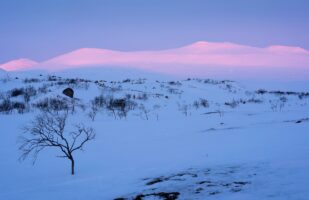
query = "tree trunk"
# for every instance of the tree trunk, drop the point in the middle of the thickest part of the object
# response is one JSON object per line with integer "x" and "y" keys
{"x": 72, "y": 166}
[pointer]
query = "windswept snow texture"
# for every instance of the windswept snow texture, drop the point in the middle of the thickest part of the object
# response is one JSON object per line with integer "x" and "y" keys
{"x": 179, "y": 139}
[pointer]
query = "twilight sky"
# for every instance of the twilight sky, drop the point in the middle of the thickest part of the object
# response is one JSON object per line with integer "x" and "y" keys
{"x": 42, "y": 29}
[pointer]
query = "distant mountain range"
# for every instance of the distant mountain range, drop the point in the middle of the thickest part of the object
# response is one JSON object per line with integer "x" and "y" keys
{"x": 199, "y": 57}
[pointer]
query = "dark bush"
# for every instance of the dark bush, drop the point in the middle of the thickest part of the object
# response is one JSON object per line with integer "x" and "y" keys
{"x": 52, "y": 78}
{"x": 177, "y": 83}
{"x": 43, "y": 89}
{"x": 126, "y": 81}
{"x": 19, "y": 106}
{"x": 7, "y": 106}
{"x": 142, "y": 96}
{"x": 99, "y": 101}
{"x": 234, "y": 103}
{"x": 55, "y": 104}
{"x": 28, "y": 93}
{"x": 120, "y": 106}
{"x": 31, "y": 80}
{"x": 17, "y": 92}
{"x": 201, "y": 103}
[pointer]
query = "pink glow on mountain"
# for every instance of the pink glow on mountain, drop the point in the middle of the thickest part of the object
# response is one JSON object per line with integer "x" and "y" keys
{"x": 197, "y": 57}
{"x": 20, "y": 64}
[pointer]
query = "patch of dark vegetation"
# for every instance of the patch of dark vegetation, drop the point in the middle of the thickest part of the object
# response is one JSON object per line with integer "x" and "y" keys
{"x": 27, "y": 93}
{"x": 241, "y": 182}
{"x": 161, "y": 195}
{"x": 32, "y": 80}
{"x": 99, "y": 101}
{"x": 174, "y": 90}
{"x": 43, "y": 89}
{"x": 156, "y": 180}
{"x": 141, "y": 96}
{"x": 198, "y": 190}
{"x": 75, "y": 83}
{"x": 300, "y": 95}
{"x": 234, "y": 103}
{"x": 203, "y": 182}
{"x": 176, "y": 83}
{"x": 172, "y": 177}
{"x": 194, "y": 184}
{"x": 126, "y": 80}
{"x": 214, "y": 192}
{"x": 117, "y": 106}
{"x": 17, "y": 92}
{"x": 201, "y": 103}
{"x": 7, "y": 106}
{"x": 122, "y": 106}
{"x": 261, "y": 91}
{"x": 52, "y": 78}
{"x": 216, "y": 82}
{"x": 235, "y": 189}
{"x": 51, "y": 103}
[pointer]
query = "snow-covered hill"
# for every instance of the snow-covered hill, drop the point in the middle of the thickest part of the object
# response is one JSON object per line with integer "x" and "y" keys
{"x": 199, "y": 59}
{"x": 173, "y": 139}
{"x": 19, "y": 64}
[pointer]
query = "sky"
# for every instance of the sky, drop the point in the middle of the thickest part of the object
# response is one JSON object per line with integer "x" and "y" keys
{"x": 40, "y": 30}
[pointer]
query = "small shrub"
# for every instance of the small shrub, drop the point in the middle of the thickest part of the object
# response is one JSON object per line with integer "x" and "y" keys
{"x": 99, "y": 101}
{"x": 43, "y": 89}
{"x": 17, "y": 92}
{"x": 201, "y": 103}
{"x": 52, "y": 78}
{"x": 126, "y": 81}
{"x": 19, "y": 106}
{"x": 177, "y": 83}
{"x": 7, "y": 106}
{"x": 232, "y": 104}
{"x": 31, "y": 80}
{"x": 142, "y": 96}
{"x": 120, "y": 106}
{"x": 28, "y": 93}
{"x": 261, "y": 91}
{"x": 55, "y": 104}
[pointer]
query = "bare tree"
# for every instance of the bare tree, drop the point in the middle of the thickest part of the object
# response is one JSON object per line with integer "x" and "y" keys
{"x": 145, "y": 111}
{"x": 48, "y": 130}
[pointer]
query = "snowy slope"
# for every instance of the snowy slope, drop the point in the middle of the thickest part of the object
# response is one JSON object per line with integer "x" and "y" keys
{"x": 189, "y": 138}
{"x": 19, "y": 64}
{"x": 199, "y": 59}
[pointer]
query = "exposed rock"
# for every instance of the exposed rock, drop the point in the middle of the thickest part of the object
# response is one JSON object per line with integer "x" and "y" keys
{"x": 68, "y": 92}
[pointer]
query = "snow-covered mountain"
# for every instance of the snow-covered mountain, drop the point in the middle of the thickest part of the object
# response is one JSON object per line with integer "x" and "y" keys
{"x": 200, "y": 58}
{"x": 19, "y": 64}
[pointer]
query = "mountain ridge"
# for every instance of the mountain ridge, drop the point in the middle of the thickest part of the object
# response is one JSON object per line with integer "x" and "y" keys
{"x": 195, "y": 55}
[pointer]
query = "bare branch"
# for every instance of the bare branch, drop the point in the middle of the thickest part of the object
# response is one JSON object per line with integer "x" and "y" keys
{"x": 48, "y": 130}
